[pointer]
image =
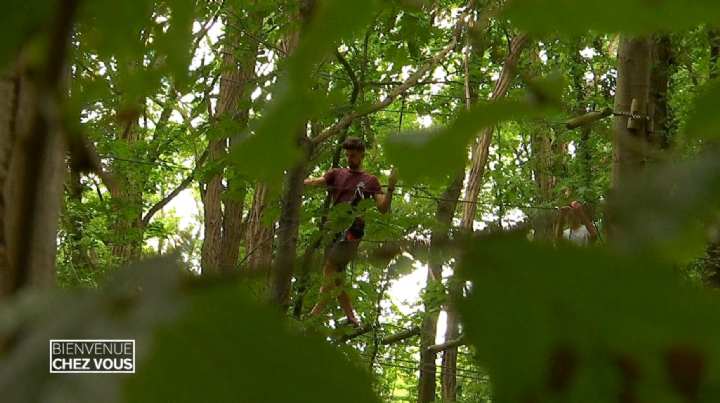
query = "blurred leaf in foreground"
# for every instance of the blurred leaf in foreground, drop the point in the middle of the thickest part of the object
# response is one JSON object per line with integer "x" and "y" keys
{"x": 667, "y": 208}
{"x": 433, "y": 153}
{"x": 571, "y": 325}
{"x": 633, "y": 16}
{"x": 195, "y": 342}
{"x": 704, "y": 121}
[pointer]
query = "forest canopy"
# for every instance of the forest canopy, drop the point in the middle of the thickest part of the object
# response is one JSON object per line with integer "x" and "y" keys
{"x": 371, "y": 201}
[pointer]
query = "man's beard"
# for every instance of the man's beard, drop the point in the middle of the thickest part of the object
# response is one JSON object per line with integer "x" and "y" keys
{"x": 354, "y": 167}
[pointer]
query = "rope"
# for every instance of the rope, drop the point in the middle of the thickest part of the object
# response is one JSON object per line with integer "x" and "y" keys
{"x": 479, "y": 203}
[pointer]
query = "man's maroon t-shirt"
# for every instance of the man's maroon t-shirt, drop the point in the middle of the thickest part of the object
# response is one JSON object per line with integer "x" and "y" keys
{"x": 344, "y": 184}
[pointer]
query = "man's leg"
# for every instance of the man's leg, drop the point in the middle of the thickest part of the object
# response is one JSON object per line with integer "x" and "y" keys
{"x": 347, "y": 307}
{"x": 330, "y": 274}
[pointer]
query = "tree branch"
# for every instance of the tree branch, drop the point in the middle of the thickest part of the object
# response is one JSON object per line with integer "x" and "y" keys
{"x": 398, "y": 337}
{"x": 167, "y": 199}
{"x": 84, "y": 158}
{"x": 460, "y": 341}
{"x": 414, "y": 78}
{"x": 351, "y": 74}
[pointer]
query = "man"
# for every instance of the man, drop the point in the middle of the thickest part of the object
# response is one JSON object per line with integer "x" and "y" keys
{"x": 348, "y": 185}
{"x": 582, "y": 231}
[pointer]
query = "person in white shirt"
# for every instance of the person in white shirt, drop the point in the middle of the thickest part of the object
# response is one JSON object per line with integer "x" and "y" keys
{"x": 581, "y": 230}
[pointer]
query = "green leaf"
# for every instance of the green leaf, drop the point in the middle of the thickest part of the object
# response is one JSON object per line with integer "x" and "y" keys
{"x": 631, "y": 16}
{"x": 196, "y": 341}
{"x": 226, "y": 348}
{"x": 666, "y": 209}
{"x": 113, "y": 28}
{"x": 173, "y": 45}
{"x": 340, "y": 217}
{"x": 583, "y": 324}
{"x": 434, "y": 153}
{"x": 704, "y": 121}
{"x": 20, "y": 20}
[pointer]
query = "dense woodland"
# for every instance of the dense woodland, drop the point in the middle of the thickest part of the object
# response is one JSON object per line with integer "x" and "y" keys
{"x": 153, "y": 155}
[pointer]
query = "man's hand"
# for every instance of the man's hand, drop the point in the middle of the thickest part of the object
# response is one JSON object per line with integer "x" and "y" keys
{"x": 576, "y": 205}
{"x": 392, "y": 180}
{"x": 384, "y": 200}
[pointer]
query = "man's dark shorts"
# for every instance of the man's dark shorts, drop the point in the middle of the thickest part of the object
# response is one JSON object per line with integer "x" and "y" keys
{"x": 343, "y": 248}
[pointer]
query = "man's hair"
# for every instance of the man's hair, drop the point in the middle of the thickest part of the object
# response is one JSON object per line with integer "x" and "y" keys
{"x": 353, "y": 143}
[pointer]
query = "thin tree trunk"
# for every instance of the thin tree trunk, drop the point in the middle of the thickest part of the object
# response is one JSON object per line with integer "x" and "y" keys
{"x": 578, "y": 70}
{"x": 480, "y": 152}
{"x": 284, "y": 265}
{"x": 542, "y": 154}
{"x": 230, "y": 89}
{"x": 307, "y": 257}
{"x": 438, "y": 237}
{"x": 212, "y": 211}
{"x": 259, "y": 234}
{"x": 443, "y": 217}
{"x": 479, "y": 159}
{"x": 127, "y": 196}
{"x": 224, "y": 226}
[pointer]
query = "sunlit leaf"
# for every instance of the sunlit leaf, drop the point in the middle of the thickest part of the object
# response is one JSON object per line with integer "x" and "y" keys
{"x": 273, "y": 147}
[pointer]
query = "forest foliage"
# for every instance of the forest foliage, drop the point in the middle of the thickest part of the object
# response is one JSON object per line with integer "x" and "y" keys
{"x": 145, "y": 116}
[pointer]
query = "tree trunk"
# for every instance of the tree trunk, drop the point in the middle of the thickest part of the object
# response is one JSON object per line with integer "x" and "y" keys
{"x": 633, "y": 86}
{"x": 630, "y": 144}
{"x": 443, "y": 218}
{"x": 438, "y": 238}
{"x": 660, "y": 136}
{"x": 259, "y": 233}
{"x": 223, "y": 228}
{"x": 284, "y": 265}
{"x": 32, "y": 190}
{"x": 541, "y": 146}
{"x": 479, "y": 159}
{"x": 481, "y": 150}
{"x": 10, "y": 89}
{"x": 633, "y": 83}
{"x": 49, "y": 178}
{"x": 283, "y": 268}
{"x": 127, "y": 202}
{"x": 307, "y": 257}
{"x": 579, "y": 67}
{"x": 212, "y": 212}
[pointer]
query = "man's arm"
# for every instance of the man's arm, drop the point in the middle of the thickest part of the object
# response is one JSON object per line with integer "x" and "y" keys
{"x": 314, "y": 181}
{"x": 589, "y": 225}
{"x": 383, "y": 201}
{"x": 560, "y": 225}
